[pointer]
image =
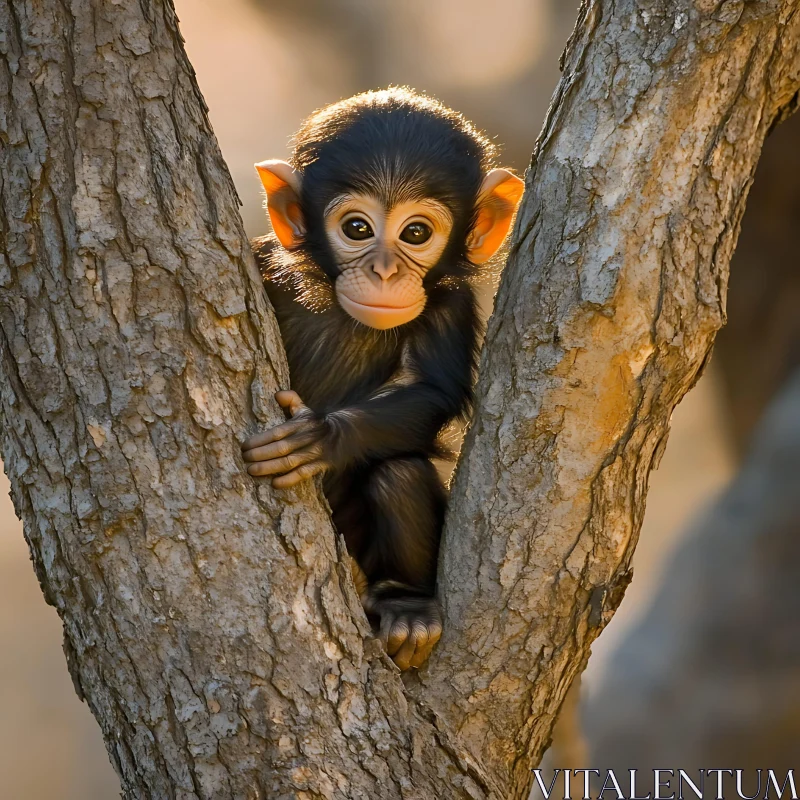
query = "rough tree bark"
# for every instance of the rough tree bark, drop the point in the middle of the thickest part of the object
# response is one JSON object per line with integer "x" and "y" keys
{"x": 210, "y": 622}
{"x": 716, "y": 659}
{"x": 721, "y": 672}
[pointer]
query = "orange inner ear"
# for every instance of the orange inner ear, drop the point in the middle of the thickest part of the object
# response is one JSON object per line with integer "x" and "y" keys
{"x": 286, "y": 222}
{"x": 497, "y": 205}
{"x": 282, "y": 185}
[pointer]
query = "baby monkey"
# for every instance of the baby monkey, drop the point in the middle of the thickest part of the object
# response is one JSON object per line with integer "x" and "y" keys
{"x": 387, "y": 209}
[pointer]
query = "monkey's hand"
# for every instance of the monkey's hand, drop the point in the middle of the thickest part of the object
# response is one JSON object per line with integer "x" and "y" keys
{"x": 410, "y": 627}
{"x": 292, "y": 451}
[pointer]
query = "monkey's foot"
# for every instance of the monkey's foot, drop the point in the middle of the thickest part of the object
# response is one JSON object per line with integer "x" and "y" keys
{"x": 409, "y": 628}
{"x": 359, "y": 578}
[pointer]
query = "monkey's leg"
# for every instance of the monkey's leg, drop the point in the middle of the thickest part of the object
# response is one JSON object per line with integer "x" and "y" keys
{"x": 351, "y": 517}
{"x": 407, "y": 502}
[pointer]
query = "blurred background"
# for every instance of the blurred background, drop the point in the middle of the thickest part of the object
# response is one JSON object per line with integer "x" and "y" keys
{"x": 701, "y": 665}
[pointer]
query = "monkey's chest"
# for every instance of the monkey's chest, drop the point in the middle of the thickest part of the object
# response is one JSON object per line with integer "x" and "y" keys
{"x": 340, "y": 365}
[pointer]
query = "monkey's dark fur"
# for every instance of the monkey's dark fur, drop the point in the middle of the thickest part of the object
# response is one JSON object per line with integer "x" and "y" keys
{"x": 383, "y": 397}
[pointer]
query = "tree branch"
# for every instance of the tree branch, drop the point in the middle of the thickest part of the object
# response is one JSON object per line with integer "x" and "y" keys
{"x": 719, "y": 673}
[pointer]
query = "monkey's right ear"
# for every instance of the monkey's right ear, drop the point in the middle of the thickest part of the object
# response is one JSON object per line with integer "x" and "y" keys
{"x": 282, "y": 184}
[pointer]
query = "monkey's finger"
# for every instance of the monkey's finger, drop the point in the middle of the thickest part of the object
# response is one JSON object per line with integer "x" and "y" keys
{"x": 299, "y": 475}
{"x": 274, "y": 434}
{"x": 290, "y": 400}
{"x": 283, "y": 447}
{"x": 279, "y": 466}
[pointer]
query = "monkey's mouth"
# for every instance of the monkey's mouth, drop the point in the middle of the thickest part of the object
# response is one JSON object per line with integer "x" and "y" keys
{"x": 380, "y": 317}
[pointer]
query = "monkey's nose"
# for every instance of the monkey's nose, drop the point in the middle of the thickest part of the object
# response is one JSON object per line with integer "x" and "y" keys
{"x": 385, "y": 268}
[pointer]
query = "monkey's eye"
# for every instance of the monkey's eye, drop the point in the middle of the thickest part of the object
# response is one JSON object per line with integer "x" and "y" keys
{"x": 416, "y": 233}
{"x": 357, "y": 229}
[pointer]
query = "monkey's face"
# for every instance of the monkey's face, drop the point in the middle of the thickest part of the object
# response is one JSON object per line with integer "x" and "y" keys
{"x": 382, "y": 251}
{"x": 383, "y": 255}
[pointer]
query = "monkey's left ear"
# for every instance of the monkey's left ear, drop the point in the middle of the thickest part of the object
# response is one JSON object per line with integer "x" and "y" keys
{"x": 282, "y": 184}
{"x": 500, "y": 194}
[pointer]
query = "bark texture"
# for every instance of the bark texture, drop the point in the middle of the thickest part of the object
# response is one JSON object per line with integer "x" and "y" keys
{"x": 210, "y": 622}
{"x": 716, "y": 660}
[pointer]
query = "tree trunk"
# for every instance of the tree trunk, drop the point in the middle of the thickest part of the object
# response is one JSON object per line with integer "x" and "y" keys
{"x": 716, "y": 659}
{"x": 210, "y": 622}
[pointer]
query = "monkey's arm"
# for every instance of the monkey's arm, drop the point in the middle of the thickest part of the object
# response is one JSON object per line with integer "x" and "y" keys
{"x": 397, "y": 420}
{"x": 405, "y": 419}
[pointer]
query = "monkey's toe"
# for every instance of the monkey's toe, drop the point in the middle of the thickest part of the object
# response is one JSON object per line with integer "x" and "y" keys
{"x": 410, "y": 635}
